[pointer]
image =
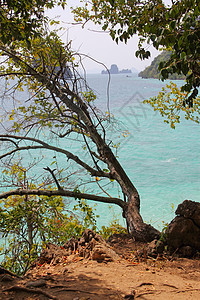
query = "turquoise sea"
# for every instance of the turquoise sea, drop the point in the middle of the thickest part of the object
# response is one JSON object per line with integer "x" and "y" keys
{"x": 164, "y": 164}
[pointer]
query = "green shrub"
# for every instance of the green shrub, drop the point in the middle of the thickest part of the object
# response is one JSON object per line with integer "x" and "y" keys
{"x": 114, "y": 227}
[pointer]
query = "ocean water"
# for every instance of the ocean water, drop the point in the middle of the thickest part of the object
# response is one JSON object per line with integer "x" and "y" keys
{"x": 164, "y": 164}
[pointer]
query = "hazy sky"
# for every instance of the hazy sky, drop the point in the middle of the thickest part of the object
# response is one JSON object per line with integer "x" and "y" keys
{"x": 99, "y": 45}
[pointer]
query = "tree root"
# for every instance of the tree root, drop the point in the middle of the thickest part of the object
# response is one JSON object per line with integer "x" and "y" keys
{"x": 5, "y": 271}
{"x": 146, "y": 293}
{"x": 185, "y": 291}
{"x": 160, "y": 291}
{"x": 77, "y": 290}
{"x": 144, "y": 283}
{"x": 18, "y": 288}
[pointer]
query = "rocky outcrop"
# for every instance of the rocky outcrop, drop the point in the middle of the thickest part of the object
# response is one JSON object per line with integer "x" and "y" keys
{"x": 183, "y": 233}
{"x": 50, "y": 254}
{"x": 182, "y": 236}
{"x": 115, "y": 70}
{"x": 92, "y": 245}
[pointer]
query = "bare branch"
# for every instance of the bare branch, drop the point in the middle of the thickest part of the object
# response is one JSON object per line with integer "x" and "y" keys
{"x": 88, "y": 147}
{"x": 54, "y": 177}
{"x": 64, "y": 193}
{"x": 56, "y": 149}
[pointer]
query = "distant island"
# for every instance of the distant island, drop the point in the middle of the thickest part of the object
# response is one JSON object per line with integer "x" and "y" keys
{"x": 152, "y": 70}
{"x": 115, "y": 70}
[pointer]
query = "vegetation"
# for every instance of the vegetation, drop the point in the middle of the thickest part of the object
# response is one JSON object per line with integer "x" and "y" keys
{"x": 113, "y": 228}
{"x": 20, "y": 20}
{"x": 153, "y": 72}
{"x": 27, "y": 223}
{"x": 171, "y": 103}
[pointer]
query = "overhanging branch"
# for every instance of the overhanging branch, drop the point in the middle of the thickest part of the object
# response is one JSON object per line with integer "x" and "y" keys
{"x": 64, "y": 193}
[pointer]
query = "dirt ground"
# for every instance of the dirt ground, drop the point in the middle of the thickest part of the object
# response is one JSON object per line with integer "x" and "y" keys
{"x": 76, "y": 278}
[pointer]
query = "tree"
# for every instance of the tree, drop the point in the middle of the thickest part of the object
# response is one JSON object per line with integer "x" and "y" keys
{"x": 175, "y": 28}
{"x": 59, "y": 107}
{"x": 169, "y": 102}
{"x": 20, "y": 19}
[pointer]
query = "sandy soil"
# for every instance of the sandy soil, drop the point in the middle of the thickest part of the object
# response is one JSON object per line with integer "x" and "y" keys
{"x": 76, "y": 278}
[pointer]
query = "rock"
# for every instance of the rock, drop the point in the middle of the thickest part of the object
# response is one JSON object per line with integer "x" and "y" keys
{"x": 88, "y": 235}
{"x": 118, "y": 237}
{"x": 51, "y": 254}
{"x": 183, "y": 233}
{"x": 92, "y": 245}
{"x": 130, "y": 296}
{"x": 71, "y": 246}
{"x": 151, "y": 249}
{"x": 160, "y": 247}
{"x": 186, "y": 251}
{"x": 154, "y": 248}
{"x": 102, "y": 252}
{"x": 190, "y": 210}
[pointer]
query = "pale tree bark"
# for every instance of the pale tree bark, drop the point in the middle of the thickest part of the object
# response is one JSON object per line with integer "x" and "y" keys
{"x": 66, "y": 95}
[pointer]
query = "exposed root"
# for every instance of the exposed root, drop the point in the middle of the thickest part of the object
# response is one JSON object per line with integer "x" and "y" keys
{"x": 17, "y": 288}
{"x": 5, "y": 271}
{"x": 188, "y": 290}
{"x": 146, "y": 293}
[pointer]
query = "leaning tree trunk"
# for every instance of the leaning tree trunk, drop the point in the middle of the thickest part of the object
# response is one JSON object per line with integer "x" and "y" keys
{"x": 138, "y": 229}
{"x": 131, "y": 212}
{"x": 131, "y": 209}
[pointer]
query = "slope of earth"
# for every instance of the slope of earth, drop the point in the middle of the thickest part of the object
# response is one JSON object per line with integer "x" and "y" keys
{"x": 129, "y": 276}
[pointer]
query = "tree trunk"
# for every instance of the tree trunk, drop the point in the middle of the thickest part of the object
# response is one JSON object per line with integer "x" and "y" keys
{"x": 137, "y": 228}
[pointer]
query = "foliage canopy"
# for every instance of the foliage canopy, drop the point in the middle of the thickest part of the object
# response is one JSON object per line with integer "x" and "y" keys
{"x": 19, "y": 19}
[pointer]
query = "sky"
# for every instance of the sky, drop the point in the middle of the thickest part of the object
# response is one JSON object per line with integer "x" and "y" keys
{"x": 92, "y": 41}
